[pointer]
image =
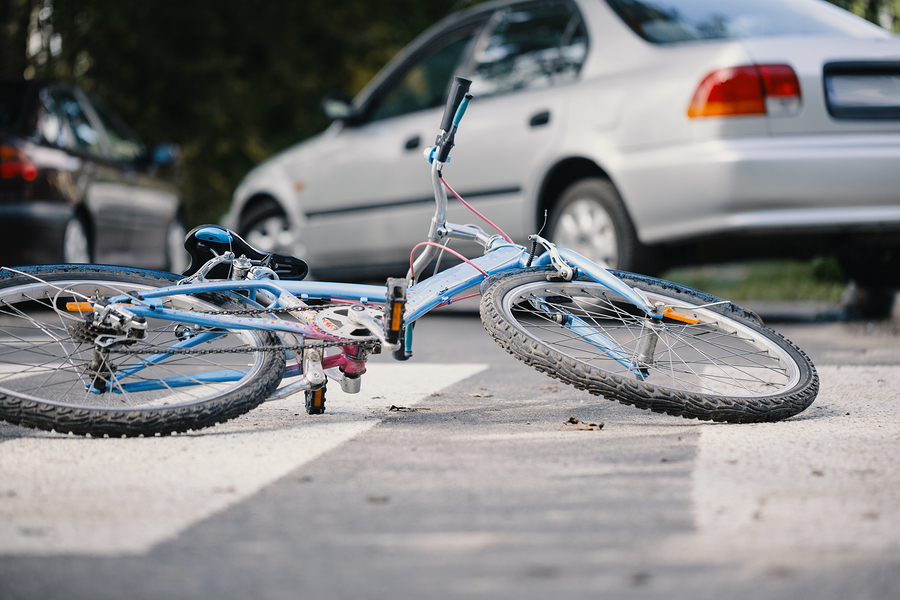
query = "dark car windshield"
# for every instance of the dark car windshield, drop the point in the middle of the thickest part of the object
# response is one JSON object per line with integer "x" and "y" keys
{"x": 667, "y": 21}
{"x": 12, "y": 102}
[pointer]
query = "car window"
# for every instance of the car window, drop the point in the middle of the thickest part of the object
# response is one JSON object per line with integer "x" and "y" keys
{"x": 51, "y": 123}
{"x": 86, "y": 137}
{"x": 531, "y": 46}
{"x": 425, "y": 82}
{"x": 122, "y": 143}
{"x": 668, "y": 21}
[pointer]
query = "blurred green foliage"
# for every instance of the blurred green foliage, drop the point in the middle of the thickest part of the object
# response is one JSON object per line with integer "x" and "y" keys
{"x": 883, "y": 12}
{"x": 230, "y": 81}
{"x": 819, "y": 280}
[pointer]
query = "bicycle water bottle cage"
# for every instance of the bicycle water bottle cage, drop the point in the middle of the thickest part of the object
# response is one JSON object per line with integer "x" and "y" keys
{"x": 206, "y": 242}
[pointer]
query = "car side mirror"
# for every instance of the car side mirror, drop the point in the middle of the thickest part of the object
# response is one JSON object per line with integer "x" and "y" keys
{"x": 339, "y": 107}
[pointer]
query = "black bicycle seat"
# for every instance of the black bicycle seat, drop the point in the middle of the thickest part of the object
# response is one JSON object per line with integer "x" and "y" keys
{"x": 208, "y": 241}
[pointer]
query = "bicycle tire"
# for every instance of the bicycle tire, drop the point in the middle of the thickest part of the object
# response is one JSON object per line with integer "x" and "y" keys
{"x": 759, "y": 377}
{"x": 46, "y": 381}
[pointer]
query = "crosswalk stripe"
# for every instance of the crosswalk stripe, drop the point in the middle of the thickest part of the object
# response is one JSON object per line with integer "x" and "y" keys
{"x": 822, "y": 483}
{"x": 72, "y": 495}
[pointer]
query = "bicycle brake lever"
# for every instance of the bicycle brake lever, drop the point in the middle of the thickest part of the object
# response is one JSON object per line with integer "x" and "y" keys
{"x": 203, "y": 271}
{"x": 564, "y": 269}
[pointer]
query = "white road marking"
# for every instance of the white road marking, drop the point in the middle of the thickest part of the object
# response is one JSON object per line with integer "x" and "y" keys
{"x": 780, "y": 494}
{"x": 72, "y": 495}
{"x": 819, "y": 485}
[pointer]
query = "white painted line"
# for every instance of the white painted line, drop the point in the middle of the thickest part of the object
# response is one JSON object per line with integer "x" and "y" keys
{"x": 821, "y": 484}
{"x": 72, "y": 495}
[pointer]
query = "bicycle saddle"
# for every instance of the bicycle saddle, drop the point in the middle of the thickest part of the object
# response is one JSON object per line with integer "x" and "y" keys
{"x": 208, "y": 241}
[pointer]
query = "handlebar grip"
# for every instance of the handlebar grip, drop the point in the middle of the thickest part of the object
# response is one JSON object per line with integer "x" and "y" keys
{"x": 457, "y": 92}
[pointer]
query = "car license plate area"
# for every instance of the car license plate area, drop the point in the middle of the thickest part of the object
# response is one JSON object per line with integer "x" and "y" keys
{"x": 863, "y": 90}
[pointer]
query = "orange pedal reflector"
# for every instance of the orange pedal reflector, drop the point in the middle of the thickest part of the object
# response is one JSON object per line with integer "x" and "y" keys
{"x": 397, "y": 316}
{"x": 677, "y": 316}
{"x": 81, "y": 307}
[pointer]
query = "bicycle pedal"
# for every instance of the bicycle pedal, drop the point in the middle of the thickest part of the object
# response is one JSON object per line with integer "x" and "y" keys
{"x": 315, "y": 401}
{"x": 393, "y": 310}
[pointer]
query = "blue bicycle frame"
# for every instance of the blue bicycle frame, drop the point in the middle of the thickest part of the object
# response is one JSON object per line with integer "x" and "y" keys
{"x": 291, "y": 295}
{"x": 501, "y": 255}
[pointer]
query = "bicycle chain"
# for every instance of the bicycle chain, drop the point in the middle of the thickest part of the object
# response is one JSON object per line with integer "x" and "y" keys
{"x": 369, "y": 346}
{"x": 363, "y": 345}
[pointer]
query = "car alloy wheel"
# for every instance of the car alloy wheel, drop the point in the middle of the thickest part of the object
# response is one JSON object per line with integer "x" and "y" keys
{"x": 76, "y": 244}
{"x": 584, "y": 226}
{"x": 590, "y": 219}
{"x": 266, "y": 228}
{"x": 177, "y": 258}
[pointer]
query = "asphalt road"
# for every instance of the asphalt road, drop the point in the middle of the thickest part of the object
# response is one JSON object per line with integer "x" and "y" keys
{"x": 474, "y": 487}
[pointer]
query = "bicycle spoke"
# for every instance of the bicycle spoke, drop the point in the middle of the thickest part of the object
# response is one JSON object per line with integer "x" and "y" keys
{"x": 688, "y": 356}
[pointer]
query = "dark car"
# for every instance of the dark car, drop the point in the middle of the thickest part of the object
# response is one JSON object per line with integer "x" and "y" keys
{"x": 76, "y": 186}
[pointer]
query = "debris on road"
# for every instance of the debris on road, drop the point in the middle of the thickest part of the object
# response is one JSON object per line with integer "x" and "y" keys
{"x": 580, "y": 425}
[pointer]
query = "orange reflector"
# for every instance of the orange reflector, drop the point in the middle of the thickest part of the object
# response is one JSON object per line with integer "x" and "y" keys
{"x": 396, "y": 316}
{"x": 677, "y": 316}
{"x": 82, "y": 307}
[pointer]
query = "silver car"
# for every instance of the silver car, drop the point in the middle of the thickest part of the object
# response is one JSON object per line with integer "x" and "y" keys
{"x": 650, "y": 132}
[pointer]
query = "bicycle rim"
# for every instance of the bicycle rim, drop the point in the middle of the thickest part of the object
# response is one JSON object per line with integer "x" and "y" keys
{"x": 706, "y": 361}
{"x": 49, "y": 362}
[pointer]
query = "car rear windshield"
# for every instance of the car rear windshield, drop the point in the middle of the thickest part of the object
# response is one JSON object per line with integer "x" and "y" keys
{"x": 668, "y": 21}
{"x": 12, "y": 102}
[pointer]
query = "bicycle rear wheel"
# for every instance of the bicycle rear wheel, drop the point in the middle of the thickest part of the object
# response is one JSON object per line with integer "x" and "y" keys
{"x": 52, "y": 376}
{"x": 708, "y": 361}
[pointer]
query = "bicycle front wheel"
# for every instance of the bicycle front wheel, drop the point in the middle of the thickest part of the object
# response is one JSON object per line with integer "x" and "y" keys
{"x": 707, "y": 360}
{"x": 52, "y": 375}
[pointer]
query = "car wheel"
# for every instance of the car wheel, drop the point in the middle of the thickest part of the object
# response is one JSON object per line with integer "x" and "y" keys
{"x": 265, "y": 227}
{"x": 590, "y": 219}
{"x": 76, "y": 243}
{"x": 177, "y": 258}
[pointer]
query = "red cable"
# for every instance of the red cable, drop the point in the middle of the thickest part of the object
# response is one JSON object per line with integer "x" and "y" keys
{"x": 453, "y": 252}
{"x": 469, "y": 206}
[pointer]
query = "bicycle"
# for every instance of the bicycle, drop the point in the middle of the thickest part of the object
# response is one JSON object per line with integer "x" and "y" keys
{"x": 108, "y": 350}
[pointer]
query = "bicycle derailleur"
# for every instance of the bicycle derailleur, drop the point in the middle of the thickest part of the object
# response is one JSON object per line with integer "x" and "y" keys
{"x": 105, "y": 327}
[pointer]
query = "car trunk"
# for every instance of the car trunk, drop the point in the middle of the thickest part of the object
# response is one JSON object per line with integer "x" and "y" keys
{"x": 856, "y": 70}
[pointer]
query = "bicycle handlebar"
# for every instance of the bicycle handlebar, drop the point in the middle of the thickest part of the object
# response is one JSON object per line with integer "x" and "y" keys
{"x": 457, "y": 92}
{"x": 453, "y": 113}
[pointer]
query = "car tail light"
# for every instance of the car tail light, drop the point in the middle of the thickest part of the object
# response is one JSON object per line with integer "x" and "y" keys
{"x": 15, "y": 163}
{"x": 747, "y": 90}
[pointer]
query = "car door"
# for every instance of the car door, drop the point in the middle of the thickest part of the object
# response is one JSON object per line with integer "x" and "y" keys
{"x": 371, "y": 187}
{"x": 152, "y": 204}
{"x": 106, "y": 188}
{"x": 376, "y": 189}
{"x": 512, "y": 128}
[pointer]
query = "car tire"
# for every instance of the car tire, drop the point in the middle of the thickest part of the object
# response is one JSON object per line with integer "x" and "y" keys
{"x": 265, "y": 226}
{"x": 590, "y": 218}
{"x": 76, "y": 242}
{"x": 871, "y": 267}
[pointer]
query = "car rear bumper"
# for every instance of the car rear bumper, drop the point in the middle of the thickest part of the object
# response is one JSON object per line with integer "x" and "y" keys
{"x": 32, "y": 232}
{"x": 832, "y": 183}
